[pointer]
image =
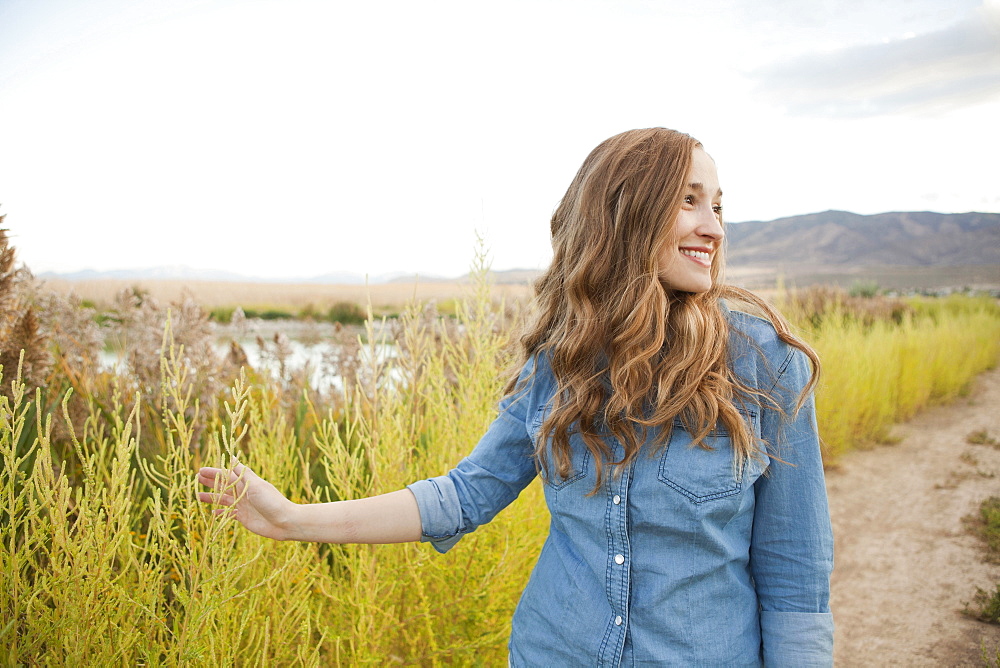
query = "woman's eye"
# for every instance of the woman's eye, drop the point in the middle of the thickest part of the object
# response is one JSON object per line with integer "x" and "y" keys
{"x": 717, "y": 209}
{"x": 689, "y": 199}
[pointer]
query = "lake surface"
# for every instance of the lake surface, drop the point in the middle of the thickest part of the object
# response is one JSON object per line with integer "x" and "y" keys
{"x": 309, "y": 344}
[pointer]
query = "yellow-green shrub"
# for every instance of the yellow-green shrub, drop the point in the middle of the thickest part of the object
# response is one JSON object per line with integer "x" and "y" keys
{"x": 121, "y": 564}
{"x": 881, "y": 370}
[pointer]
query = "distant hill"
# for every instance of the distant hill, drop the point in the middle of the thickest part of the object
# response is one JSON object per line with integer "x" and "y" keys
{"x": 176, "y": 272}
{"x": 920, "y": 238}
{"x": 183, "y": 272}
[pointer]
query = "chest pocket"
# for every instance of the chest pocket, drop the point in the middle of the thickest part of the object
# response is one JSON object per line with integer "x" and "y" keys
{"x": 705, "y": 475}
{"x": 579, "y": 455}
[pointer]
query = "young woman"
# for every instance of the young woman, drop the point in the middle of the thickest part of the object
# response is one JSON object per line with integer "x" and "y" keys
{"x": 675, "y": 436}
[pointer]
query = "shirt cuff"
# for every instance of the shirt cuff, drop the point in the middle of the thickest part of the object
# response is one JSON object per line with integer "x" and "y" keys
{"x": 798, "y": 639}
{"x": 440, "y": 514}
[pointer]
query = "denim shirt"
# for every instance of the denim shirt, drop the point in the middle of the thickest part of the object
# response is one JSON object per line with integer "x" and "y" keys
{"x": 680, "y": 560}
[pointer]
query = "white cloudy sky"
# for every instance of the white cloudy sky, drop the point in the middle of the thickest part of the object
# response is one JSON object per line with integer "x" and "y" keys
{"x": 292, "y": 138}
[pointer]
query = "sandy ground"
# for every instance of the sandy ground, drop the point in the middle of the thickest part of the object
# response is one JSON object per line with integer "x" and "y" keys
{"x": 905, "y": 562}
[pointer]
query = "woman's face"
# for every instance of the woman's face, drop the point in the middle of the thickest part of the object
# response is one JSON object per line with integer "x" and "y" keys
{"x": 686, "y": 262}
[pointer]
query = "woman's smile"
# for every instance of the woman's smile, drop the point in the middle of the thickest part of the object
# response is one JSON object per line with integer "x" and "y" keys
{"x": 701, "y": 256}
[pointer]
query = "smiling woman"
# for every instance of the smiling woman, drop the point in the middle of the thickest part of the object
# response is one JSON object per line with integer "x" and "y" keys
{"x": 687, "y": 264}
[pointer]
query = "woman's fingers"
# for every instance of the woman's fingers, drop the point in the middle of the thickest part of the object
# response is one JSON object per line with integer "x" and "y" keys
{"x": 245, "y": 497}
{"x": 211, "y": 477}
{"x": 219, "y": 499}
{"x": 226, "y": 484}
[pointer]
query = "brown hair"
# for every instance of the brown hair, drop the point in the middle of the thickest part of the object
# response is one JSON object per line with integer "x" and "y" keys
{"x": 627, "y": 352}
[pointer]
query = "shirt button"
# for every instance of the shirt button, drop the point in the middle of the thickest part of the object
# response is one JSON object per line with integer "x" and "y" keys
{"x": 619, "y": 559}
{"x": 618, "y": 620}
{"x": 617, "y": 499}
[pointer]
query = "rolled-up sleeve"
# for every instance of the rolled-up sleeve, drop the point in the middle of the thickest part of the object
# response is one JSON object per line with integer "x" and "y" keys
{"x": 484, "y": 483}
{"x": 791, "y": 552}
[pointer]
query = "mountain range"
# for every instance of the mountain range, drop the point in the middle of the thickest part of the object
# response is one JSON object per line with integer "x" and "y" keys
{"x": 187, "y": 273}
{"x": 905, "y": 238}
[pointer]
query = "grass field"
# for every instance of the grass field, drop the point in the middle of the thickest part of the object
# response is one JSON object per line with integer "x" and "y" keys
{"x": 896, "y": 278}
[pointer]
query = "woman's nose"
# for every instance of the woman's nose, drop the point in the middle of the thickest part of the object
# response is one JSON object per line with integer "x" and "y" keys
{"x": 710, "y": 225}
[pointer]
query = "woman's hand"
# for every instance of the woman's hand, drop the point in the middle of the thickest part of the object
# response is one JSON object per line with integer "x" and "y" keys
{"x": 253, "y": 501}
{"x": 261, "y": 508}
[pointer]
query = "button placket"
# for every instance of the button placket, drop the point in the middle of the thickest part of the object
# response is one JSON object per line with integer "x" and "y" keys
{"x": 617, "y": 570}
{"x": 620, "y": 510}
{"x": 618, "y": 551}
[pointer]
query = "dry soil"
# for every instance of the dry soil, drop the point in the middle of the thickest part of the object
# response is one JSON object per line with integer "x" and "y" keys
{"x": 905, "y": 561}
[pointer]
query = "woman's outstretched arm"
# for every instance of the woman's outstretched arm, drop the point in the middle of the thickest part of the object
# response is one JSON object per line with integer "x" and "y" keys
{"x": 261, "y": 508}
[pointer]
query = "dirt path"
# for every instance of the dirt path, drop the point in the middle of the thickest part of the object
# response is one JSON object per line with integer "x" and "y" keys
{"x": 905, "y": 563}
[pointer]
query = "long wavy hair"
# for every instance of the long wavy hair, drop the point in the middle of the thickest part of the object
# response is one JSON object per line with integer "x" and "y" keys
{"x": 628, "y": 352}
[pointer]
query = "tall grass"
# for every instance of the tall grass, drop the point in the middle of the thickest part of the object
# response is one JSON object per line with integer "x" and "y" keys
{"x": 884, "y": 360}
{"x": 107, "y": 558}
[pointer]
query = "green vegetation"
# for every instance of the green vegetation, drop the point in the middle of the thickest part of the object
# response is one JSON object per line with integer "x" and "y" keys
{"x": 985, "y": 604}
{"x": 864, "y": 289}
{"x": 982, "y": 437}
{"x": 224, "y": 314}
{"x": 989, "y": 529}
{"x": 991, "y": 658}
{"x": 345, "y": 313}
